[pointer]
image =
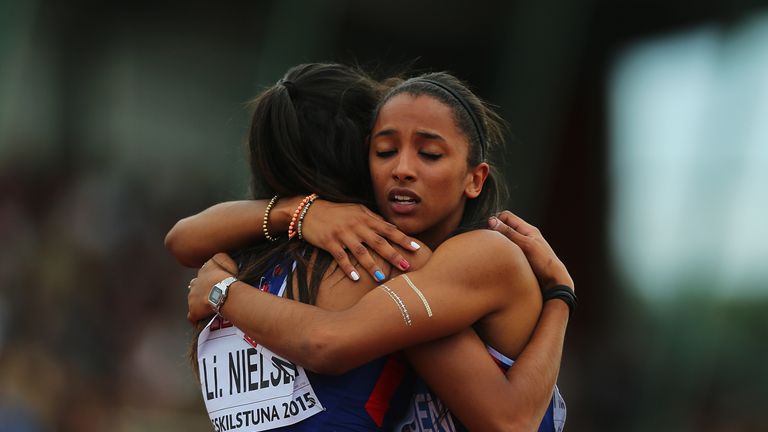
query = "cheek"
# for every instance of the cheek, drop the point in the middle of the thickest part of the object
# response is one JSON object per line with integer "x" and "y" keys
{"x": 377, "y": 178}
{"x": 447, "y": 183}
{"x": 453, "y": 178}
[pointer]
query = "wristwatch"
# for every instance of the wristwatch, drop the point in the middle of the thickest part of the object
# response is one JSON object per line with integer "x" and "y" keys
{"x": 219, "y": 293}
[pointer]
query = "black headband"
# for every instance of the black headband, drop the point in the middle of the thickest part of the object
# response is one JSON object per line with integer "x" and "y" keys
{"x": 467, "y": 108}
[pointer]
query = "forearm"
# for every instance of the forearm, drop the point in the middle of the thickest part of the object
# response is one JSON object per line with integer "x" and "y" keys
{"x": 534, "y": 374}
{"x": 459, "y": 370}
{"x": 280, "y": 324}
{"x": 383, "y": 320}
{"x": 333, "y": 342}
{"x": 305, "y": 334}
{"x": 224, "y": 227}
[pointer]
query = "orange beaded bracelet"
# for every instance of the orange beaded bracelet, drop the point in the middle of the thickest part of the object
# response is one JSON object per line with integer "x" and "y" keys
{"x": 292, "y": 228}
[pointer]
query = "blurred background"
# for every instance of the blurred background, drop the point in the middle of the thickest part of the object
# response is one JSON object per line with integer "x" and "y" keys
{"x": 640, "y": 149}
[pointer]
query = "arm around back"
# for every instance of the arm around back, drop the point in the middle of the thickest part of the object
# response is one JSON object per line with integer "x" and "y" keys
{"x": 468, "y": 277}
{"x": 224, "y": 227}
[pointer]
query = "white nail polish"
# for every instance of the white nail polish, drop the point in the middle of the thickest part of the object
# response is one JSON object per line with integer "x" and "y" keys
{"x": 355, "y": 276}
{"x": 415, "y": 245}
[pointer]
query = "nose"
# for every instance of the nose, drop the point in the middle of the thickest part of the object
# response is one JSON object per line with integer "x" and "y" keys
{"x": 404, "y": 169}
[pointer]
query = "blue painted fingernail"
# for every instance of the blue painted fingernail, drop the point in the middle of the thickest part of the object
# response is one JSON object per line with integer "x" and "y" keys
{"x": 379, "y": 275}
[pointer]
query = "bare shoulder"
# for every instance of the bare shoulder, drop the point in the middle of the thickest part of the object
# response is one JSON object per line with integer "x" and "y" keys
{"x": 483, "y": 247}
{"x": 480, "y": 258}
{"x": 488, "y": 262}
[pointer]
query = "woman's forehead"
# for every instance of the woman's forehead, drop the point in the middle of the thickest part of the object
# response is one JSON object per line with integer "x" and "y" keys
{"x": 416, "y": 110}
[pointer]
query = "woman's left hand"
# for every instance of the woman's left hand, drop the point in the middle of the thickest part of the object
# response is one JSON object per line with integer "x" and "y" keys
{"x": 549, "y": 270}
{"x": 216, "y": 269}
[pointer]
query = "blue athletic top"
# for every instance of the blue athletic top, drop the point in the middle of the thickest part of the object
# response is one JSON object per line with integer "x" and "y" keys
{"x": 372, "y": 397}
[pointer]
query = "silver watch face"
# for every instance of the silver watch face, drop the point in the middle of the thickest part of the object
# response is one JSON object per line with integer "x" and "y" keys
{"x": 215, "y": 295}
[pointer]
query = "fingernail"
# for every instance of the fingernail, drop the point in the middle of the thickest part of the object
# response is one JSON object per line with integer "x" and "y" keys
{"x": 415, "y": 245}
{"x": 493, "y": 222}
{"x": 354, "y": 276}
{"x": 379, "y": 275}
{"x": 404, "y": 264}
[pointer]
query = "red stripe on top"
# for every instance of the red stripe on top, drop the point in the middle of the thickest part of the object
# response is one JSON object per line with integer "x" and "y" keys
{"x": 390, "y": 378}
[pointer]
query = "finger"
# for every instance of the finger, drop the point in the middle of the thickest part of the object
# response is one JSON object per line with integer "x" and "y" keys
{"x": 517, "y": 223}
{"x": 365, "y": 259}
{"x": 342, "y": 259}
{"x": 497, "y": 224}
{"x": 225, "y": 262}
{"x": 370, "y": 213}
{"x": 382, "y": 247}
{"x": 391, "y": 232}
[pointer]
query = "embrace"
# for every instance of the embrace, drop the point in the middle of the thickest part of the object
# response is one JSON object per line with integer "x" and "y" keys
{"x": 372, "y": 283}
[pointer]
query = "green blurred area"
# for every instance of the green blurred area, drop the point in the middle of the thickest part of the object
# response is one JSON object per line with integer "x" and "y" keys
{"x": 117, "y": 119}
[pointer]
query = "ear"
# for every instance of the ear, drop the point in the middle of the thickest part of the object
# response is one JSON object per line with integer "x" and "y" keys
{"x": 476, "y": 179}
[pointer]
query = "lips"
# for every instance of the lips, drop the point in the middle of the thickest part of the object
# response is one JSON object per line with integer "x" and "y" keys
{"x": 403, "y": 201}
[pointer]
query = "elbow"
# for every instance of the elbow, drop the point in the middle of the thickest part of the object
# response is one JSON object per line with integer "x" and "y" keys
{"x": 324, "y": 352}
{"x": 175, "y": 244}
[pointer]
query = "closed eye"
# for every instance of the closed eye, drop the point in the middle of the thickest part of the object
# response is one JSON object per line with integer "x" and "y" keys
{"x": 386, "y": 153}
{"x": 430, "y": 156}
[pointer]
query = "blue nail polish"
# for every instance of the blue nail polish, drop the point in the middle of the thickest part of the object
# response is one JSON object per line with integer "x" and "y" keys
{"x": 379, "y": 275}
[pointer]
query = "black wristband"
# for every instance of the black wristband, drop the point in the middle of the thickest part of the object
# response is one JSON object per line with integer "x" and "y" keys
{"x": 564, "y": 293}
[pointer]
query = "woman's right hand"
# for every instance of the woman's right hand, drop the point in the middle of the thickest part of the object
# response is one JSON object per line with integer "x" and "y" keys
{"x": 548, "y": 268}
{"x": 338, "y": 228}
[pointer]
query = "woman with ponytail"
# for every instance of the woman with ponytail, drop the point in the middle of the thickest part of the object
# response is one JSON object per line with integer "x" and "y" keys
{"x": 426, "y": 170}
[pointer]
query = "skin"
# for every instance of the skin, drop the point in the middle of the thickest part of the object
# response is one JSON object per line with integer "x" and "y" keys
{"x": 333, "y": 227}
{"x": 414, "y": 148}
{"x": 525, "y": 387}
{"x": 417, "y": 151}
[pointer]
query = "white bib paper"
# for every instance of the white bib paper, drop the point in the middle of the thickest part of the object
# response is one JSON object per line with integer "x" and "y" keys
{"x": 247, "y": 387}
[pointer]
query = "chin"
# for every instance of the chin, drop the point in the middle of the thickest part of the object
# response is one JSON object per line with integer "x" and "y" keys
{"x": 408, "y": 225}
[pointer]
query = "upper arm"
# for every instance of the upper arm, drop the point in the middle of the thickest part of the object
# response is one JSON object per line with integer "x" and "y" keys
{"x": 464, "y": 281}
{"x": 459, "y": 370}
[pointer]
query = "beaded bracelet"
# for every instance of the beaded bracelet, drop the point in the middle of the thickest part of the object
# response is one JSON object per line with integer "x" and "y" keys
{"x": 301, "y": 218}
{"x": 266, "y": 218}
{"x": 564, "y": 293}
{"x": 295, "y": 219}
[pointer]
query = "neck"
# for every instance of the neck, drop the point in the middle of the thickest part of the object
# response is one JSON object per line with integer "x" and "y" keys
{"x": 439, "y": 233}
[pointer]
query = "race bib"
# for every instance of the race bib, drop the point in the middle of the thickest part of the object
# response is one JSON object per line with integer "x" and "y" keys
{"x": 247, "y": 387}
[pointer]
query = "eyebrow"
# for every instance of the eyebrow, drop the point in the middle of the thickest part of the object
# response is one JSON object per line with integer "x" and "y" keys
{"x": 385, "y": 132}
{"x": 421, "y": 133}
{"x": 430, "y": 135}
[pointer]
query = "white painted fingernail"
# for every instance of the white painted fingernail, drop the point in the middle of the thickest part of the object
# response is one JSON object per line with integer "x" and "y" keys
{"x": 354, "y": 276}
{"x": 415, "y": 245}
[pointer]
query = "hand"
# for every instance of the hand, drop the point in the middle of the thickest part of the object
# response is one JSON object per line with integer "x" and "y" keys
{"x": 545, "y": 264}
{"x": 337, "y": 228}
{"x": 212, "y": 272}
